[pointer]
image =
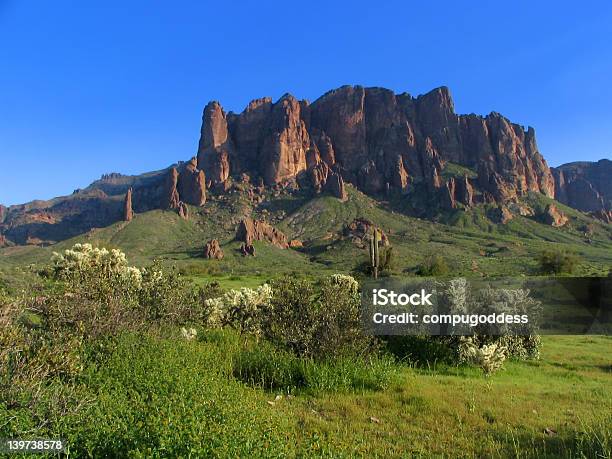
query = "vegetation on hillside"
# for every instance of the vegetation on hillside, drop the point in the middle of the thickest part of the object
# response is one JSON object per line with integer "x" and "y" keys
{"x": 123, "y": 361}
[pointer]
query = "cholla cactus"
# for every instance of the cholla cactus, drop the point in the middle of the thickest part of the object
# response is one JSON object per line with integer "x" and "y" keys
{"x": 240, "y": 309}
{"x": 490, "y": 357}
{"x": 189, "y": 333}
{"x": 84, "y": 259}
{"x": 346, "y": 282}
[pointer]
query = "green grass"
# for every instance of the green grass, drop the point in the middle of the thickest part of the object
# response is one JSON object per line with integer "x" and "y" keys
{"x": 158, "y": 395}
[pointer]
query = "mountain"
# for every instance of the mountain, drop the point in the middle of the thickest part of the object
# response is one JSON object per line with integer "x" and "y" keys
{"x": 586, "y": 186}
{"x": 413, "y": 151}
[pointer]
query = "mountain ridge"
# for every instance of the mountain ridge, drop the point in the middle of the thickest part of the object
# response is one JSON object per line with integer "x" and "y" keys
{"x": 385, "y": 144}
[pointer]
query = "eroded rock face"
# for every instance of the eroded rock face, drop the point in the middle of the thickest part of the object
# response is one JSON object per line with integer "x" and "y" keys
{"x": 323, "y": 179}
{"x": 603, "y": 215}
{"x": 465, "y": 192}
{"x": 501, "y": 215}
{"x": 191, "y": 184}
{"x": 553, "y": 216}
{"x": 586, "y": 186}
{"x": 335, "y": 186}
{"x": 212, "y": 250}
{"x": 171, "y": 199}
{"x": 2, "y": 213}
{"x": 250, "y": 230}
{"x": 247, "y": 249}
{"x": 375, "y": 139}
{"x": 295, "y": 244}
{"x": 3, "y": 241}
{"x": 128, "y": 213}
{"x": 215, "y": 148}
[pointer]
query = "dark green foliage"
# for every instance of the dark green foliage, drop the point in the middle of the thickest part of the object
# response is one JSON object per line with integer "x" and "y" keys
{"x": 153, "y": 397}
{"x": 388, "y": 262}
{"x": 266, "y": 366}
{"x": 558, "y": 262}
{"x": 433, "y": 265}
{"x": 318, "y": 321}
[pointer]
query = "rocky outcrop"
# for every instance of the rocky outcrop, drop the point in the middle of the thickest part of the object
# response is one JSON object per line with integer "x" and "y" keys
{"x": 183, "y": 210}
{"x": 379, "y": 142}
{"x": 454, "y": 192}
{"x": 212, "y": 250}
{"x": 585, "y": 185}
{"x": 464, "y": 191}
{"x": 603, "y": 215}
{"x": 250, "y": 230}
{"x": 171, "y": 199}
{"x": 360, "y": 230}
{"x": 324, "y": 179}
{"x": 335, "y": 186}
{"x": 295, "y": 244}
{"x": 375, "y": 139}
{"x": 501, "y": 215}
{"x": 553, "y": 216}
{"x": 128, "y": 213}
{"x": 215, "y": 148}
{"x": 191, "y": 184}
{"x": 3, "y": 241}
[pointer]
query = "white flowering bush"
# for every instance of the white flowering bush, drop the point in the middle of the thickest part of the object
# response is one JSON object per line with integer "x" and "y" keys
{"x": 346, "y": 283}
{"x": 84, "y": 260}
{"x": 489, "y": 357}
{"x": 486, "y": 345}
{"x": 102, "y": 294}
{"x": 241, "y": 309}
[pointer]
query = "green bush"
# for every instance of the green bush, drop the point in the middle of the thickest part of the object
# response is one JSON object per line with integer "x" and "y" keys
{"x": 433, "y": 265}
{"x": 95, "y": 296}
{"x": 480, "y": 346}
{"x": 558, "y": 262}
{"x": 319, "y": 321}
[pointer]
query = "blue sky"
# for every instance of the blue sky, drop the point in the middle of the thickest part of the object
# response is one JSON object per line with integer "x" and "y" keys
{"x": 94, "y": 87}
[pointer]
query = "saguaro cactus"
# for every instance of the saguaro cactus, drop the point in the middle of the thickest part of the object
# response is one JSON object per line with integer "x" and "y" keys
{"x": 374, "y": 256}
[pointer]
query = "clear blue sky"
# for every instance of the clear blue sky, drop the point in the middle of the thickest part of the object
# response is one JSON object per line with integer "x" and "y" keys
{"x": 120, "y": 85}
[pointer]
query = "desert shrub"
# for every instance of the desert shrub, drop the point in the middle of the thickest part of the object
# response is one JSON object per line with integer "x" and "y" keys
{"x": 558, "y": 262}
{"x": 433, "y": 265}
{"x": 96, "y": 296}
{"x": 489, "y": 357}
{"x": 31, "y": 355}
{"x": 318, "y": 321}
{"x": 103, "y": 294}
{"x": 241, "y": 309}
{"x": 480, "y": 345}
{"x": 291, "y": 320}
{"x": 309, "y": 319}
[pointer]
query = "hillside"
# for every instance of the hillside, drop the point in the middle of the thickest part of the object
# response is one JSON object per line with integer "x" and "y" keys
{"x": 471, "y": 243}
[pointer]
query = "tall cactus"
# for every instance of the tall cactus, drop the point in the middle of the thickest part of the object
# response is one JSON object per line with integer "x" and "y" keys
{"x": 374, "y": 257}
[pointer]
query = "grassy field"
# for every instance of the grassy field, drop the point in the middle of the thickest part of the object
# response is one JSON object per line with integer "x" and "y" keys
{"x": 158, "y": 395}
